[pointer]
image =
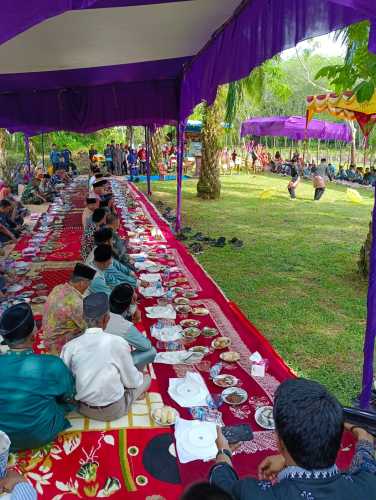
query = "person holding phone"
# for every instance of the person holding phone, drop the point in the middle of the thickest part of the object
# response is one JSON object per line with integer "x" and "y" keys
{"x": 309, "y": 426}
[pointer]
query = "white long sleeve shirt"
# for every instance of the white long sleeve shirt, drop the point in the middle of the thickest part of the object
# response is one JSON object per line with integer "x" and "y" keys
{"x": 102, "y": 366}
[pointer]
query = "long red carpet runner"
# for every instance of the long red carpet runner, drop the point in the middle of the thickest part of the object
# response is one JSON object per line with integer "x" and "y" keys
{"x": 133, "y": 457}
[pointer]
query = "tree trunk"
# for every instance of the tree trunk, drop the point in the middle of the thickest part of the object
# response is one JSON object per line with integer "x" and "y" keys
{"x": 130, "y": 136}
{"x": 209, "y": 185}
{"x": 156, "y": 149}
{"x": 3, "y": 155}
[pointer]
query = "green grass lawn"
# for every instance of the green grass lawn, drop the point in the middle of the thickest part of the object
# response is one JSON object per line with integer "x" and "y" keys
{"x": 296, "y": 276}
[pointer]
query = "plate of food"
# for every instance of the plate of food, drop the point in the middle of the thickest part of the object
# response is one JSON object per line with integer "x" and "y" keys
{"x": 21, "y": 264}
{"x": 234, "y": 396}
{"x": 200, "y": 311}
{"x": 264, "y": 417}
{"x": 221, "y": 343}
{"x": 189, "y": 294}
{"x": 225, "y": 380}
{"x": 185, "y": 323}
{"x": 191, "y": 333}
{"x": 178, "y": 289}
{"x": 181, "y": 301}
{"x": 40, "y": 286}
{"x": 40, "y": 299}
{"x": 165, "y": 416}
{"x": 209, "y": 332}
{"x": 183, "y": 309}
{"x": 181, "y": 279}
{"x": 201, "y": 349}
{"x": 230, "y": 356}
{"x": 171, "y": 284}
{"x": 14, "y": 288}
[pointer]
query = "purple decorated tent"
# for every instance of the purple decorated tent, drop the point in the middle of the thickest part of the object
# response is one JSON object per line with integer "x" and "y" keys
{"x": 82, "y": 65}
{"x": 295, "y": 128}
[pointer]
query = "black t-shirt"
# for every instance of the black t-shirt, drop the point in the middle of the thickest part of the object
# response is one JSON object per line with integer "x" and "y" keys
{"x": 294, "y": 170}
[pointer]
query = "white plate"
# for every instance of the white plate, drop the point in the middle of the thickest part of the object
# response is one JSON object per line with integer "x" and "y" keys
{"x": 14, "y": 288}
{"x": 264, "y": 417}
{"x": 231, "y": 390}
{"x": 198, "y": 438}
{"x": 158, "y": 420}
{"x": 21, "y": 264}
{"x": 191, "y": 391}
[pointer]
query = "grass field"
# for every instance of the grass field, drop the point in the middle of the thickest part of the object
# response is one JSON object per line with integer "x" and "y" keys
{"x": 296, "y": 276}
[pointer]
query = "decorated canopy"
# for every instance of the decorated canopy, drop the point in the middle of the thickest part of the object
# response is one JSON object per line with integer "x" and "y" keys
{"x": 294, "y": 127}
{"x": 345, "y": 106}
{"x": 87, "y": 64}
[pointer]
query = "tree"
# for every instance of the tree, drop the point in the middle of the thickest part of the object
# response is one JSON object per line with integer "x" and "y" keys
{"x": 209, "y": 185}
{"x": 156, "y": 140}
{"x": 3, "y": 140}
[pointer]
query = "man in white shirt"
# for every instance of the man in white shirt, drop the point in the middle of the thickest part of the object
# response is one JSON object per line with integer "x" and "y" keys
{"x": 107, "y": 381}
{"x": 124, "y": 310}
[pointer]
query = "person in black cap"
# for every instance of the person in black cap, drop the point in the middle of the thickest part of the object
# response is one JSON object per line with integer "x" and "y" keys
{"x": 123, "y": 307}
{"x": 99, "y": 188}
{"x": 34, "y": 389}
{"x": 107, "y": 380}
{"x": 110, "y": 272}
{"x": 91, "y": 204}
{"x": 63, "y": 318}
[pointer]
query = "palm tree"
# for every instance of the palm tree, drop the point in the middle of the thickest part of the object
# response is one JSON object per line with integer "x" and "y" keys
{"x": 209, "y": 185}
{"x": 3, "y": 139}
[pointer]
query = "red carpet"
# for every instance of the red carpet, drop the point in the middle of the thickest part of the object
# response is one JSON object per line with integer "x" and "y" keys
{"x": 134, "y": 463}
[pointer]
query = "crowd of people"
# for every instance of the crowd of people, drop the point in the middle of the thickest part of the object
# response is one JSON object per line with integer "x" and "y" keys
{"x": 120, "y": 159}
{"x": 96, "y": 363}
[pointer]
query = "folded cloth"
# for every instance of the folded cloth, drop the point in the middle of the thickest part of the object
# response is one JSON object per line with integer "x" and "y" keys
{"x": 150, "y": 277}
{"x": 152, "y": 291}
{"x": 161, "y": 312}
{"x": 195, "y": 440}
{"x": 189, "y": 391}
{"x": 167, "y": 333}
{"x": 144, "y": 266}
{"x": 178, "y": 358}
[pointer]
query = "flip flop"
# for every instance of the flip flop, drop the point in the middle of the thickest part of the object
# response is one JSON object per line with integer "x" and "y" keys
{"x": 238, "y": 244}
{"x": 221, "y": 242}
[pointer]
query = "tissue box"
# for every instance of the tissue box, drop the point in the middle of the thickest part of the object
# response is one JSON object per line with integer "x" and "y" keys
{"x": 258, "y": 365}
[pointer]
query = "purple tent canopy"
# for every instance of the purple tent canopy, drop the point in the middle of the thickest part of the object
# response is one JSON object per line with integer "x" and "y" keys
{"x": 294, "y": 127}
{"x": 82, "y": 65}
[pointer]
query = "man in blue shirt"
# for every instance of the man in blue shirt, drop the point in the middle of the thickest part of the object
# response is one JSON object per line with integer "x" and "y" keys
{"x": 67, "y": 156}
{"x": 55, "y": 157}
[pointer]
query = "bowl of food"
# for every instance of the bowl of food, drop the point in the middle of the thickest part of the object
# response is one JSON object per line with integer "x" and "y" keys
{"x": 191, "y": 333}
{"x": 40, "y": 299}
{"x": 234, "y": 396}
{"x": 230, "y": 356}
{"x": 182, "y": 301}
{"x": 181, "y": 279}
{"x": 200, "y": 311}
{"x": 207, "y": 331}
{"x": 165, "y": 416}
{"x": 264, "y": 417}
{"x": 225, "y": 380}
{"x": 221, "y": 343}
{"x": 183, "y": 309}
{"x": 185, "y": 323}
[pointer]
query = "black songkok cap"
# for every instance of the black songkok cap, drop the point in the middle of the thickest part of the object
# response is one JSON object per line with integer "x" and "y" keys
{"x": 17, "y": 323}
{"x": 82, "y": 271}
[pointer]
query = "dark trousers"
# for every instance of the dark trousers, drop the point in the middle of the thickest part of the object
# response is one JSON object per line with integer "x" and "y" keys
{"x": 110, "y": 166}
{"x": 318, "y": 193}
{"x": 292, "y": 192}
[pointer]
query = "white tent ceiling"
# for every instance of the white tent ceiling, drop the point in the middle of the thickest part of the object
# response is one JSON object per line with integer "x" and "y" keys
{"x": 112, "y": 36}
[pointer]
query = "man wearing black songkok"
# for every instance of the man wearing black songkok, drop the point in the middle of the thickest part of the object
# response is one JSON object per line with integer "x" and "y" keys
{"x": 34, "y": 389}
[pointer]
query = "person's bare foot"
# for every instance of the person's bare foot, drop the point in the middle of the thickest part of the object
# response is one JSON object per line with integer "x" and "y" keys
{"x": 141, "y": 396}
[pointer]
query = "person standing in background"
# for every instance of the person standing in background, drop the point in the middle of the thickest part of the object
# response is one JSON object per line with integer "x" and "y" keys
{"x": 55, "y": 157}
{"x": 109, "y": 159}
{"x": 66, "y": 154}
{"x": 117, "y": 159}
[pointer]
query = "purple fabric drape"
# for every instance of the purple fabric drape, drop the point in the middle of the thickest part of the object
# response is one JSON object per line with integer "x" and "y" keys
{"x": 258, "y": 31}
{"x": 369, "y": 341}
{"x": 294, "y": 127}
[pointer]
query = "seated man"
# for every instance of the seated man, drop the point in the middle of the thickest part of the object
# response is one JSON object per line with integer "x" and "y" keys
{"x": 62, "y": 318}
{"x": 342, "y": 175}
{"x": 99, "y": 189}
{"x": 106, "y": 379}
{"x": 8, "y": 229}
{"x": 104, "y": 236}
{"x": 123, "y": 309}
{"x": 34, "y": 389}
{"x": 32, "y": 194}
{"x": 91, "y": 204}
{"x": 309, "y": 426}
{"x": 87, "y": 241}
{"x": 109, "y": 272}
{"x": 119, "y": 245}
{"x": 351, "y": 173}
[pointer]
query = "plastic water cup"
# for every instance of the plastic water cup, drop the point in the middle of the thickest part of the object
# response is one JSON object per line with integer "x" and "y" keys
{"x": 4, "y": 453}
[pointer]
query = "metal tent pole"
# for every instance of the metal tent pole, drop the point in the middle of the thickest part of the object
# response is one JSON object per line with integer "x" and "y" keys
{"x": 179, "y": 172}
{"x": 369, "y": 341}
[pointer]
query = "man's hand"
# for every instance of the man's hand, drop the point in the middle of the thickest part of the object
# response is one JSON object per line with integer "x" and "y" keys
{"x": 10, "y": 480}
{"x": 359, "y": 433}
{"x": 270, "y": 467}
{"x": 136, "y": 318}
{"x": 221, "y": 441}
